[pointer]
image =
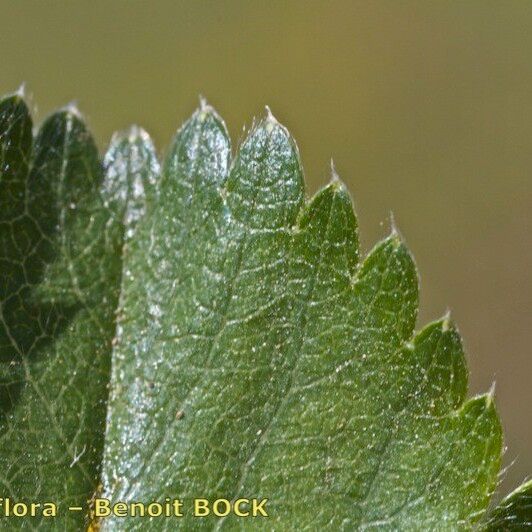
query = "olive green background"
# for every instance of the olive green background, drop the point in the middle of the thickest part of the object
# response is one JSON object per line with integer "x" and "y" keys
{"x": 426, "y": 108}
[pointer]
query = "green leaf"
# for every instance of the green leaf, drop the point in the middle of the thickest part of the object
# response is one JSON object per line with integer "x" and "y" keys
{"x": 255, "y": 356}
{"x": 60, "y": 251}
{"x": 204, "y": 331}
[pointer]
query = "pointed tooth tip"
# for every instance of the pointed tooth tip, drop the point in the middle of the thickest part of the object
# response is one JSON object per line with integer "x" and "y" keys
{"x": 446, "y": 321}
{"x": 335, "y": 181}
{"x": 135, "y": 133}
{"x": 334, "y": 173}
{"x": 393, "y": 225}
{"x": 269, "y": 115}
{"x": 204, "y": 104}
{"x": 19, "y": 95}
{"x": 131, "y": 135}
{"x": 270, "y": 124}
{"x": 395, "y": 234}
{"x": 491, "y": 393}
{"x": 271, "y": 121}
{"x": 205, "y": 109}
{"x": 21, "y": 91}
{"x": 72, "y": 108}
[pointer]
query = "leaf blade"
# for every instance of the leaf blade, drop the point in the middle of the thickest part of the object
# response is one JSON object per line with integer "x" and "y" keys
{"x": 48, "y": 350}
{"x": 254, "y": 353}
{"x": 262, "y": 369}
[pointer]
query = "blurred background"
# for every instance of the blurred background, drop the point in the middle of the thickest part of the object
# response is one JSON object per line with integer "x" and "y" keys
{"x": 426, "y": 108}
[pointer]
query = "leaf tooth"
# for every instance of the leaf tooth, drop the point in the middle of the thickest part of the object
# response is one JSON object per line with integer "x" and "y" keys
{"x": 64, "y": 151}
{"x": 477, "y": 431}
{"x": 481, "y": 410}
{"x": 265, "y": 188}
{"x": 439, "y": 368}
{"x": 514, "y": 512}
{"x": 199, "y": 156}
{"x": 386, "y": 289}
{"x": 330, "y": 231}
{"x": 64, "y": 189}
{"x": 131, "y": 174}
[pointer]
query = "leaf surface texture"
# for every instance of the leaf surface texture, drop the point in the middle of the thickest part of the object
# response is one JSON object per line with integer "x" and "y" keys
{"x": 201, "y": 329}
